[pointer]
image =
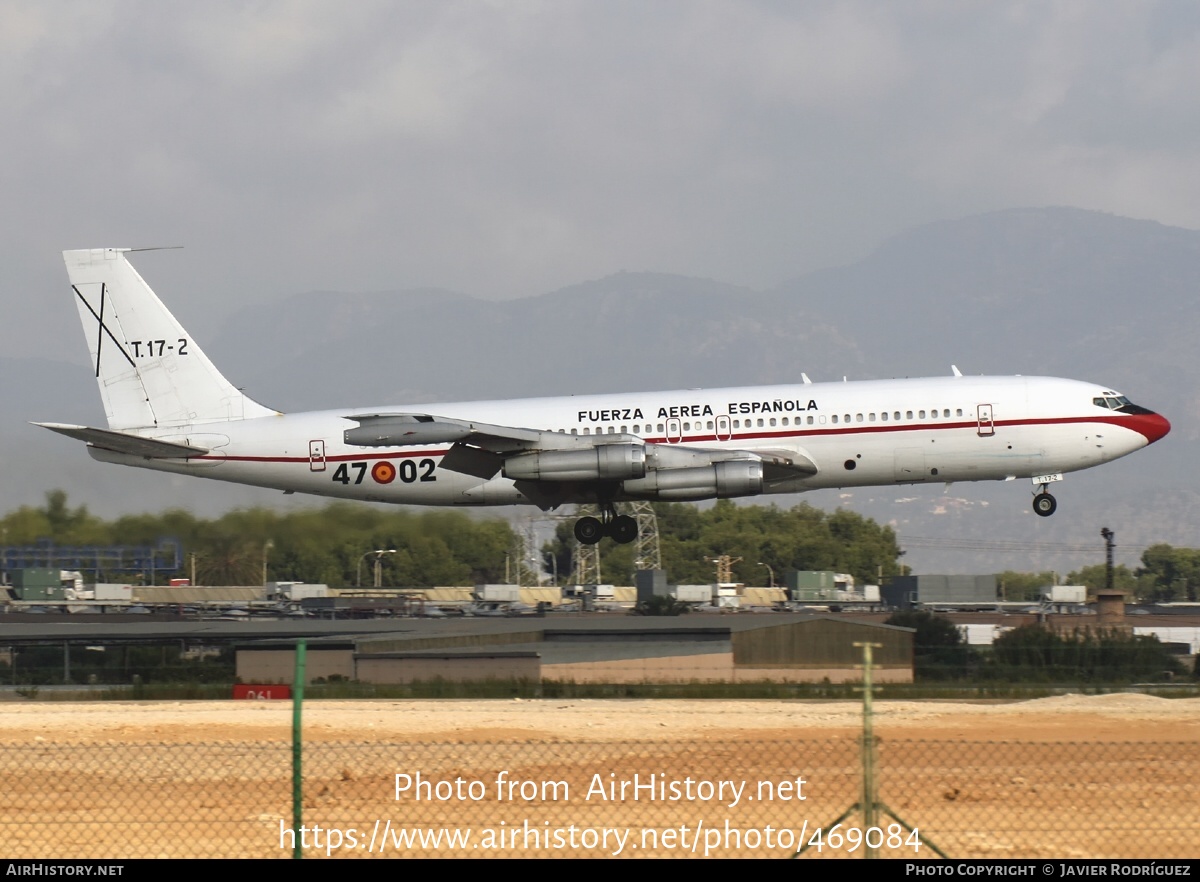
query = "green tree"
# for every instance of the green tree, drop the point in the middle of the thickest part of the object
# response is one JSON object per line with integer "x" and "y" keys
{"x": 1169, "y": 573}
{"x": 1094, "y": 577}
{"x": 940, "y": 652}
{"x": 1040, "y": 653}
{"x": 1024, "y": 586}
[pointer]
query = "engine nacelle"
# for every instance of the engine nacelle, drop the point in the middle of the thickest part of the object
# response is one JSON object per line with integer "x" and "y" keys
{"x": 404, "y": 430}
{"x": 721, "y": 479}
{"x": 604, "y": 462}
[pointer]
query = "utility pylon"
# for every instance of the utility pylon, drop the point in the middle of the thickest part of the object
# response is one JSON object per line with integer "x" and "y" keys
{"x": 586, "y": 559}
{"x": 648, "y": 554}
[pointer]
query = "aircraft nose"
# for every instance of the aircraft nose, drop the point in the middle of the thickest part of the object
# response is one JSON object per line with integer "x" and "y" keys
{"x": 1152, "y": 425}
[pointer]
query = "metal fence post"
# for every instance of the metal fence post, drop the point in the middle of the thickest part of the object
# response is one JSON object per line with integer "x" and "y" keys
{"x": 297, "y": 750}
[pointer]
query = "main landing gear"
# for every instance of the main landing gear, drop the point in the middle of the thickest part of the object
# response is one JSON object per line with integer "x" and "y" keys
{"x": 622, "y": 529}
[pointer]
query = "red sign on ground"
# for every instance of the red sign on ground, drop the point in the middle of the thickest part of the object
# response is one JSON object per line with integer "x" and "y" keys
{"x": 252, "y": 690}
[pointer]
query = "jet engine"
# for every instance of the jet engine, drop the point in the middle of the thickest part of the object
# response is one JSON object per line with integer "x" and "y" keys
{"x": 604, "y": 462}
{"x": 721, "y": 479}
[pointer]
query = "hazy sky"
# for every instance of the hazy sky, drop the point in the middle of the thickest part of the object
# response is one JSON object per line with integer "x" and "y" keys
{"x": 506, "y": 149}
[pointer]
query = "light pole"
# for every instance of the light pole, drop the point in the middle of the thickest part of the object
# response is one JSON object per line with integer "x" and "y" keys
{"x": 267, "y": 546}
{"x": 770, "y": 572}
{"x": 379, "y": 553}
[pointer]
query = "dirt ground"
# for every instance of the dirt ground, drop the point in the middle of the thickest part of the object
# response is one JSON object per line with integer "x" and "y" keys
{"x": 1071, "y": 776}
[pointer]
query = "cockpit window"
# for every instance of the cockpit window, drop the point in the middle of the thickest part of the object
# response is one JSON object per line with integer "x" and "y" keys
{"x": 1119, "y": 403}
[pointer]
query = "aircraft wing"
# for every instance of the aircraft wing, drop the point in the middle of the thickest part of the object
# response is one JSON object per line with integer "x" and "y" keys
{"x": 402, "y": 429}
{"x": 477, "y": 449}
{"x": 481, "y": 449}
{"x": 124, "y": 442}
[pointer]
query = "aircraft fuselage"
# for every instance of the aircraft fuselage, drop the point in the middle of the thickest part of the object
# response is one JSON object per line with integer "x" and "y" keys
{"x": 865, "y": 433}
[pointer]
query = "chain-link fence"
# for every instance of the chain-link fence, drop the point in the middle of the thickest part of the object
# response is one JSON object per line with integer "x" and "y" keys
{"x": 727, "y": 798}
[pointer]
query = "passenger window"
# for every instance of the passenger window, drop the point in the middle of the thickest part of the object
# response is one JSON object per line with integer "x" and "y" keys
{"x": 810, "y": 421}
{"x": 660, "y": 427}
{"x": 896, "y": 415}
{"x": 946, "y": 412}
{"x": 958, "y": 412}
{"x": 908, "y": 414}
{"x": 835, "y": 418}
{"x": 858, "y": 417}
{"x": 921, "y": 414}
{"x": 760, "y": 422}
{"x": 785, "y": 421}
{"x": 587, "y": 431}
{"x": 883, "y": 416}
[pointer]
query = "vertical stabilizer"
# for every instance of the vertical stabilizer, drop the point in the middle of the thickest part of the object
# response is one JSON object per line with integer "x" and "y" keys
{"x": 151, "y": 372}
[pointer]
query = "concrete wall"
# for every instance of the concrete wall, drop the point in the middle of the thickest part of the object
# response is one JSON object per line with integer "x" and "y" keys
{"x": 824, "y": 642}
{"x": 716, "y": 667}
{"x": 392, "y": 669}
{"x": 279, "y": 665}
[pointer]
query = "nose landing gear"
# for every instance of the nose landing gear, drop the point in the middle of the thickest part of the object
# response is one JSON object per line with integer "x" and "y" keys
{"x": 1044, "y": 504}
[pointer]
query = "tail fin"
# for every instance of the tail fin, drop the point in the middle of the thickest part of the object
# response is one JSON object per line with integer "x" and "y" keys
{"x": 151, "y": 373}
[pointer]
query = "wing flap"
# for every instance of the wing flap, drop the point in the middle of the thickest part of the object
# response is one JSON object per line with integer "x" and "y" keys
{"x": 124, "y": 442}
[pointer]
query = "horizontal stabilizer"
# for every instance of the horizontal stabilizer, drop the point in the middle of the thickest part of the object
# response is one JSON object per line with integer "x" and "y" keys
{"x": 123, "y": 442}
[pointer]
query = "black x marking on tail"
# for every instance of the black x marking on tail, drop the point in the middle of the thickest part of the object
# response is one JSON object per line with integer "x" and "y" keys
{"x": 102, "y": 328}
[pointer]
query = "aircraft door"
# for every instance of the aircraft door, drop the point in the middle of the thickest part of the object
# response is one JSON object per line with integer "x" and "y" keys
{"x": 316, "y": 456}
{"x": 987, "y": 426}
{"x": 724, "y": 428}
{"x": 674, "y": 431}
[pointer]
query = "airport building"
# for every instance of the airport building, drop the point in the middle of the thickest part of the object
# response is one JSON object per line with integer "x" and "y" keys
{"x": 600, "y": 649}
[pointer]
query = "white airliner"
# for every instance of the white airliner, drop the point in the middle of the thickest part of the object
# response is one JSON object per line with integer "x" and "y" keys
{"x": 170, "y": 409}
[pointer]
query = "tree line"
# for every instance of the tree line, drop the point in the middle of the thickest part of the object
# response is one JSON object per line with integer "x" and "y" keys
{"x": 1036, "y": 653}
{"x": 1167, "y": 574}
{"x": 448, "y": 547}
{"x": 333, "y": 544}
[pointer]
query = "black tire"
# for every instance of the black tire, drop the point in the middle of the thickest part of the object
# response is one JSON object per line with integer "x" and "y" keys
{"x": 623, "y": 529}
{"x": 589, "y": 531}
{"x": 1044, "y": 505}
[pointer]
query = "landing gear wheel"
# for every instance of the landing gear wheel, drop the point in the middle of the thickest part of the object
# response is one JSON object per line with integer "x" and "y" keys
{"x": 1044, "y": 504}
{"x": 623, "y": 529}
{"x": 589, "y": 530}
